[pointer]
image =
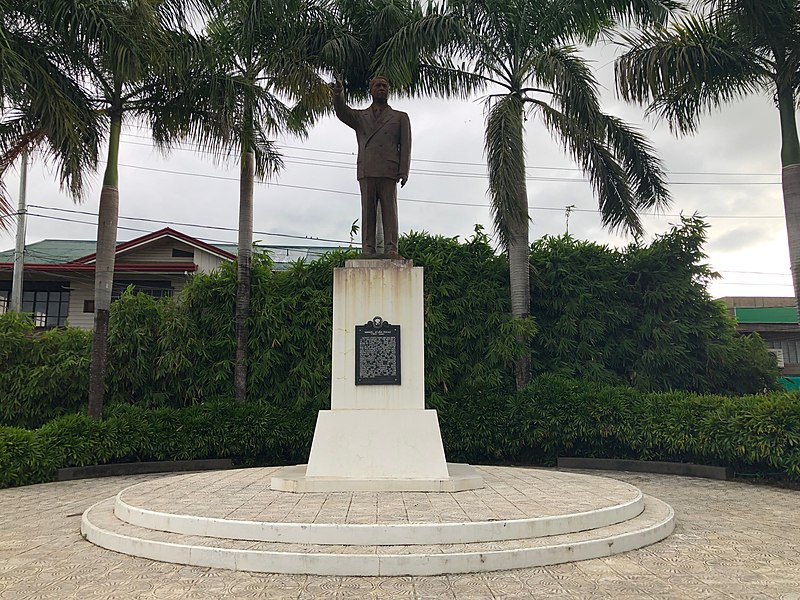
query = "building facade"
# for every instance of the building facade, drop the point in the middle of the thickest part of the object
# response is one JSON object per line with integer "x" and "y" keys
{"x": 58, "y": 286}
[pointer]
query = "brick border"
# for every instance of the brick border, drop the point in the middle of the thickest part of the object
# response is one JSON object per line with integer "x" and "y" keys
{"x": 140, "y": 468}
{"x": 647, "y": 466}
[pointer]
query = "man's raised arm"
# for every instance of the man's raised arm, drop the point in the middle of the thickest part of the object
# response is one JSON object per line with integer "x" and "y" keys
{"x": 345, "y": 114}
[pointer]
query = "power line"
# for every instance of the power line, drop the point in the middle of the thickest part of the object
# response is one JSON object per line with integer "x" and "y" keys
{"x": 192, "y": 147}
{"x": 232, "y": 229}
{"x": 751, "y": 283}
{"x": 754, "y": 272}
{"x": 40, "y": 254}
{"x": 179, "y": 224}
{"x": 417, "y": 200}
{"x": 303, "y": 161}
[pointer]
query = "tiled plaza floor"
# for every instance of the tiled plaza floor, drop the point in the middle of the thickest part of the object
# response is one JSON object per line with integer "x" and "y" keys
{"x": 732, "y": 540}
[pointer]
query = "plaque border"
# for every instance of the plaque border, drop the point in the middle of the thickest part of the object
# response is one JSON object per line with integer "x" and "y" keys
{"x": 385, "y": 380}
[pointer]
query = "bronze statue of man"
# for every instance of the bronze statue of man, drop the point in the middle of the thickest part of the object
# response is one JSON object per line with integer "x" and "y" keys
{"x": 384, "y": 157}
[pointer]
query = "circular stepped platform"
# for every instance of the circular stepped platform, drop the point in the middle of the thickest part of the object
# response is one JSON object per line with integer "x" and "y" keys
{"x": 522, "y": 518}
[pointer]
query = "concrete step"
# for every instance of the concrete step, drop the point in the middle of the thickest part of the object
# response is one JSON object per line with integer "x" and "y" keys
{"x": 385, "y": 534}
{"x": 515, "y": 503}
{"x": 101, "y": 527}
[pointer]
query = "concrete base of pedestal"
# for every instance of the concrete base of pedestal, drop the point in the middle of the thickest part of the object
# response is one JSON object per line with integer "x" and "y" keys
{"x": 460, "y": 477}
{"x": 377, "y": 450}
{"x": 375, "y": 444}
{"x": 378, "y": 437}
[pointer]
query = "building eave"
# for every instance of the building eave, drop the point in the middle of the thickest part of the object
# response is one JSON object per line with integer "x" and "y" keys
{"x": 118, "y": 268}
{"x": 133, "y": 244}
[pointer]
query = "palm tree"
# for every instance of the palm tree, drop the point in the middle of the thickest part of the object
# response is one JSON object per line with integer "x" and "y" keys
{"x": 259, "y": 80}
{"x": 132, "y": 67}
{"x": 108, "y": 59}
{"x": 729, "y": 49}
{"x": 41, "y": 102}
{"x": 524, "y": 53}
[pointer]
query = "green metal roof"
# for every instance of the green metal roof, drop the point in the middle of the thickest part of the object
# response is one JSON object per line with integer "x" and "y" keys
{"x": 54, "y": 252}
{"x": 790, "y": 383}
{"x": 784, "y": 314}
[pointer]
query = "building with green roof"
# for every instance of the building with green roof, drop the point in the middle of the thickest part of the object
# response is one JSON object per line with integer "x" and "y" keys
{"x": 58, "y": 286}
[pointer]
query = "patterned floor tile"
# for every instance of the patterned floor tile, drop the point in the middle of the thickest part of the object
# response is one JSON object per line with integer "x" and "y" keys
{"x": 732, "y": 541}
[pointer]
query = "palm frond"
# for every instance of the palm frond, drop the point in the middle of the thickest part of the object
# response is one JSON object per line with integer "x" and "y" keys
{"x": 644, "y": 171}
{"x": 768, "y": 23}
{"x": 618, "y": 205}
{"x": 269, "y": 161}
{"x": 421, "y": 43}
{"x": 639, "y": 13}
{"x": 40, "y": 92}
{"x": 688, "y": 69}
{"x": 563, "y": 70}
{"x": 505, "y": 159}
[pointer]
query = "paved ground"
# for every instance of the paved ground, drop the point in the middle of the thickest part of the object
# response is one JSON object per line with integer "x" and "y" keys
{"x": 731, "y": 541}
{"x": 509, "y": 493}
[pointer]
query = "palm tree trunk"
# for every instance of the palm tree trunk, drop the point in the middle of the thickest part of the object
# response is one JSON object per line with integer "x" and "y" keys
{"x": 108, "y": 216}
{"x": 519, "y": 275}
{"x": 790, "y": 160}
{"x": 246, "y": 180}
{"x": 791, "y": 207}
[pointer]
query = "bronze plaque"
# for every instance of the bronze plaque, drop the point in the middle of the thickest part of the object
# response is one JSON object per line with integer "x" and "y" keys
{"x": 377, "y": 353}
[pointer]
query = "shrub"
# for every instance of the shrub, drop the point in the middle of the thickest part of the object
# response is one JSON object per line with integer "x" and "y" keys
{"x": 559, "y": 416}
{"x": 641, "y": 317}
{"x": 248, "y": 434}
{"x": 42, "y": 375}
{"x": 553, "y": 416}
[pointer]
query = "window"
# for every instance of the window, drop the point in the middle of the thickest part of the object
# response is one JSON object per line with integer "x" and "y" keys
{"x": 48, "y": 307}
{"x": 4, "y": 301}
{"x": 178, "y": 253}
{"x": 155, "y": 288}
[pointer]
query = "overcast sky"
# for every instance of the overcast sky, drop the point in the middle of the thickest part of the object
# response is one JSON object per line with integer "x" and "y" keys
{"x": 729, "y": 173}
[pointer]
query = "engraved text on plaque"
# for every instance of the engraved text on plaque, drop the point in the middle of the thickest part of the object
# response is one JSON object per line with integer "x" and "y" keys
{"x": 377, "y": 353}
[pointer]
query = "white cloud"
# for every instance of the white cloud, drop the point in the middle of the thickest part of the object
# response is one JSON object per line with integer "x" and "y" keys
{"x": 742, "y": 138}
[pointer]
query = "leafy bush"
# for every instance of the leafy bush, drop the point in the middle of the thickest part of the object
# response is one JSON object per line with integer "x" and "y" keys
{"x": 249, "y": 434}
{"x": 640, "y": 317}
{"x": 553, "y": 416}
{"x": 42, "y": 375}
{"x": 559, "y": 416}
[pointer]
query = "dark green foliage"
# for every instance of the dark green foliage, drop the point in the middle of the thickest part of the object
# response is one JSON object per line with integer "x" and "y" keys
{"x": 552, "y": 417}
{"x": 249, "y": 434}
{"x": 470, "y": 337}
{"x": 42, "y": 375}
{"x": 641, "y": 316}
{"x": 557, "y": 416}
{"x": 24, "y": 458}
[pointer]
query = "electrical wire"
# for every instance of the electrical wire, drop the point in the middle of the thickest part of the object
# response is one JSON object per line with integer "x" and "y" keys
{"x": 280, "y": 247}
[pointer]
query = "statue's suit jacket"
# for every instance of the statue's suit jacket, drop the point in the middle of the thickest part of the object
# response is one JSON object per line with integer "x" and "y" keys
{"x": 384, "y": 143}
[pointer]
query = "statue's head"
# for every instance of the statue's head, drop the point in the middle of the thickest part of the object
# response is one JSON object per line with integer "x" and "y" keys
{"x": 379, "y": 88}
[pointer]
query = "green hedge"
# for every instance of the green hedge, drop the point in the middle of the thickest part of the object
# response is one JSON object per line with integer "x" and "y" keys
{"x": 556, "y": 416}
{"x": 553, "y": 416}
{"x": 42, "y": 375}
{"x": 639, "y": 316}
{"x": 249, "y": 434}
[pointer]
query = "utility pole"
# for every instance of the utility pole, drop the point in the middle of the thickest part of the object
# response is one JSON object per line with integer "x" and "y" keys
{"x": 567, "y": 211}
{"x": 19, "y": 251}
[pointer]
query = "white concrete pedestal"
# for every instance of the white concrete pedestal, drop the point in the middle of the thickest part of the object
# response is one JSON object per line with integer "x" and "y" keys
{"x": 377, "y": 437}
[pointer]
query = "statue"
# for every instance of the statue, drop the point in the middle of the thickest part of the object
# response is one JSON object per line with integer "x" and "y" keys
{"x": 384, "y": 156}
